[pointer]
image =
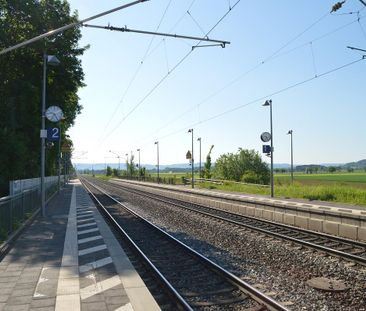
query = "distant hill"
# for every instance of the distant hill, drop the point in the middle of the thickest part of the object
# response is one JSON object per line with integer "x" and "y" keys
{"x": 102, "y": 166}
{"x": 312, "y": 167}
{"x": 359, "y": 165}
{"x": 181, "y": 167}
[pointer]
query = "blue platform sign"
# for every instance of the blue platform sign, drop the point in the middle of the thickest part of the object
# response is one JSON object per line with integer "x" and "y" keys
{"x": 266, "y": 149}
{"x": 53, "y": 134}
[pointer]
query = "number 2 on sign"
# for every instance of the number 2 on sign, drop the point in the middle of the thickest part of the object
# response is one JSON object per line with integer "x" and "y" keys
{"x": 55, "y": 133}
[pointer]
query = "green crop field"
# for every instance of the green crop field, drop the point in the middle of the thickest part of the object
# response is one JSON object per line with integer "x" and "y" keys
{"x": 337, "y": 187}
{"x": 326, "y": 177}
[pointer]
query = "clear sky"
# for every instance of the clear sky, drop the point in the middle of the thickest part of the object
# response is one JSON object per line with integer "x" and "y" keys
{"x": 136, "y": 94}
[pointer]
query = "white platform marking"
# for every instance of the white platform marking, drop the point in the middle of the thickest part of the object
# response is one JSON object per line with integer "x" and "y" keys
{"x": 99, "y": 287}
{"x": 92, "y": 238}
{"x": 92, "y": 250}
{"x": 88, "y": 231}
{"x": 95, "y": 264}
{"x": 87, "y": 225}
{"x": 68, "y": 288}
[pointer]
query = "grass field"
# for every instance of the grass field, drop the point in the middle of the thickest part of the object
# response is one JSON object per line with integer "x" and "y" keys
{"x": 337, "y": 187}
{"x": 352, "y": 178}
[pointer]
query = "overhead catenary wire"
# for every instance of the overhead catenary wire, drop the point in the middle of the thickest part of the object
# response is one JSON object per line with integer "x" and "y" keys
{"x": 137, "y": 70}
{"x": 69, "y": 26}
{"x": 272, "y": 56}
{"x": 195, "y": 21}
{"x": 141, "y": 63}
{"x": 259, "y": 99}
{"x": 313, "y": 57}
{"x": 146, "y": 55}
{"x": 156, "y": 86}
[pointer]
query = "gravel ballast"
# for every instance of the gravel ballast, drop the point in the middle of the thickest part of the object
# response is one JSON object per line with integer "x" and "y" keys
{"x": 276, "y": 267}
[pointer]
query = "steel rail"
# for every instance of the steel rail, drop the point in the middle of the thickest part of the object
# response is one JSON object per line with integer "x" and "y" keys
{"x": 163, "y": 280}
{"x": 242, "y": 285}
{"x": 358, "y": 259}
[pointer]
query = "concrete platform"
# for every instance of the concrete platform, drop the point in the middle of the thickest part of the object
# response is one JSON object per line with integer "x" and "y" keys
{"x": 70, "y": 261}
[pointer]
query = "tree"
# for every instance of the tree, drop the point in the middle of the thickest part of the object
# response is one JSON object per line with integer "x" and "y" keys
{"x": 131, "y": 167}
{"x": 109, "y": 171}
{"x": 207, "y": 167}
{"x": 332, "y": 169}
{"x": 21, "y": 83}
{"x": 245, "y": 165}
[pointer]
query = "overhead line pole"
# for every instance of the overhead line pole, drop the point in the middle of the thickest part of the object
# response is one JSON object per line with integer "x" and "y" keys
{"x": 125, "y": 29}
{"x": 61, "y": 29}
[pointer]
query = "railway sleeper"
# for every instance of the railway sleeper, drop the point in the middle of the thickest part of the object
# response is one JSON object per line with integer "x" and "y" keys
{"x": 358, "y": 252}
{"x": 217, "y": 301}
{"x": 344, "y": 248}
{"x": 332, "y": 244}
{"x": 189, "y": 293}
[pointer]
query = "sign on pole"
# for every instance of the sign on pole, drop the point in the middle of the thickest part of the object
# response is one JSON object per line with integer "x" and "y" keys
{"x": 53, "y": 134}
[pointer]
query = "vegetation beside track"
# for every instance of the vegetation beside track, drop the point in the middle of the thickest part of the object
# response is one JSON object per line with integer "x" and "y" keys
{"x": 347, "y": 188}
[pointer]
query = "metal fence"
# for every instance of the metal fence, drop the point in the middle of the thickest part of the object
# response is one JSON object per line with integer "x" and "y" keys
{"x": 15, "y": 209}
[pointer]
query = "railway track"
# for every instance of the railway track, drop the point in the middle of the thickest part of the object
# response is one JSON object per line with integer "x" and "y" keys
{"x": 336, "y": 246}
{"x": 194, "y": 282}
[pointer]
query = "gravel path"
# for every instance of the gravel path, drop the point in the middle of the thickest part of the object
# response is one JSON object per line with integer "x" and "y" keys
{"x": 278, "y": 268}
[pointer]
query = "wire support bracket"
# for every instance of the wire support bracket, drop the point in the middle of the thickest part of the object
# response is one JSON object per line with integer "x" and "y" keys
{"x": 221, "y": 43}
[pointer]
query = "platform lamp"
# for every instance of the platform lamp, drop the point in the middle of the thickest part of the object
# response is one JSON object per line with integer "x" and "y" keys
{"x": 199, "y": 139}
{"x": 290, "y": 132}
{"x": 126, "y": 164}
{"x": 269, "y": 103}
{"x": 192, "y": 160}
{"x": 119, "y": 159}
{"x": 138, "y": 150}
{"x": 157, "y": 150}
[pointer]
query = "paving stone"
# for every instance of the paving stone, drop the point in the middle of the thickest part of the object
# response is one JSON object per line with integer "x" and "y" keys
{"x": 114, "y": 292}
{"x": 43, "y": 309}
{"x": 47, "y": 288}
{"x": 43, "y": 302}
{"x": 50, "y": 273}
{"x": 94, "y": 298}
{"x": 11, "y": 273}
{"x": 111, "y": 307}
{"x": 121, "y": 300}
{"x": 12, "y": 268}
{"x": 24, "y": 307}
{"x": 22, "y": 292}
{"x": 93, "y": 306}
{"x": 19, "y": 300}
{"x": 7, "y": 285}
{"x": 8, "y": 279}
{"x": 4, "y": 297}
{"x": 32, "y": 285}
{"x": 7, "y": 291}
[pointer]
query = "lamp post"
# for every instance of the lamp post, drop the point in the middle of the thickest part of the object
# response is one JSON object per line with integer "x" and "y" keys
{"x": 119, "y": 161}
{"x": 157, "y": 150}
{"x": 199, "y": 139}
{"x": 53, "y": 61}
{"x": 139, "y": 163}
{"x": 192, "y": 160}
{"x": 290, "y": 132}
{"x": 59, "y": 163}
{"x": 269, "y": 103}
{"x": 126, "y": 164}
